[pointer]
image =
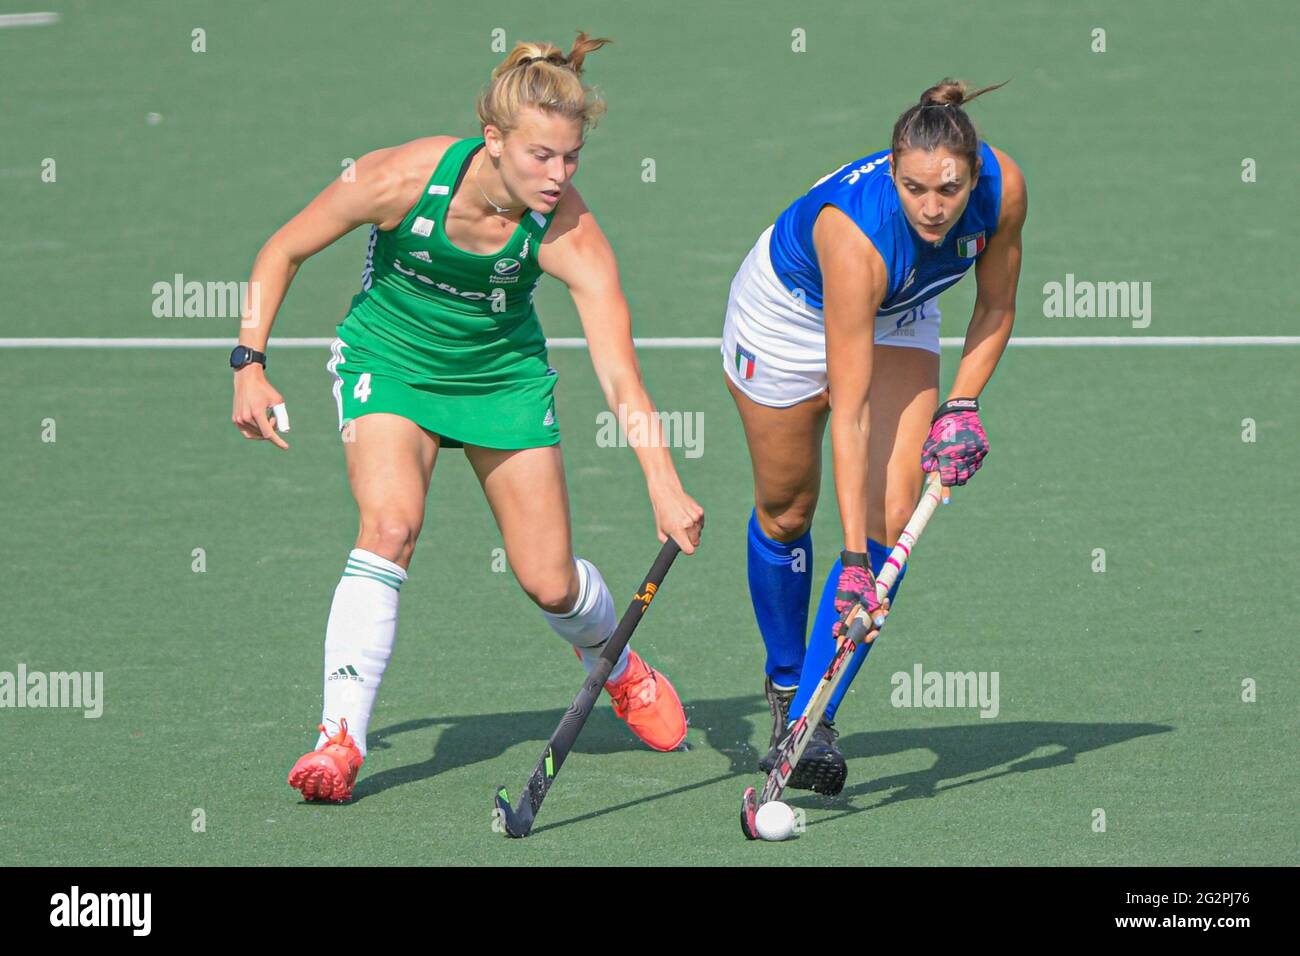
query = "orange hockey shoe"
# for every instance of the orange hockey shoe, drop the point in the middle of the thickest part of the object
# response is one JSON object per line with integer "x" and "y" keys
{"x": 331, "y": 772}
{"x": 644, "y": 698}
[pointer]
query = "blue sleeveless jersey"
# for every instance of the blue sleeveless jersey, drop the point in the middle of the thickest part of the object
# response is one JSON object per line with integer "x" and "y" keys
{"x": 864, "y": 192}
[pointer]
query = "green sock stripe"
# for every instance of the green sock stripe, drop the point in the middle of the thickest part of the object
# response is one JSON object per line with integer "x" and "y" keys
{"x": 362, "y": 564}
{"x": 371, "y": 577}
{"x": 371, "y": 566}
{"x": 372, "y": 569}
{"x": 355, "y": 570}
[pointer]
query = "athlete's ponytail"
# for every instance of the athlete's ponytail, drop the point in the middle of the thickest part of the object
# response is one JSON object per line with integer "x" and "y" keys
{"x": 939, "y": 120}
{"x": 540, "y": 75}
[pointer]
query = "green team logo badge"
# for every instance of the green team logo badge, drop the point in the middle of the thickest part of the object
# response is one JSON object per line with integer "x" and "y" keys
{"x": 506, "y": 267}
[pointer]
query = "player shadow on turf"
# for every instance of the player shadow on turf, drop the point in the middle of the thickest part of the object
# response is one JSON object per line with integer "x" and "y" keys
{"x": 977, "y": 752}
{"x": 727, "y": 725}
{"x": 474, "y": 738}
{"x": 965, "y": 754}
{"x": 986, "y": 751}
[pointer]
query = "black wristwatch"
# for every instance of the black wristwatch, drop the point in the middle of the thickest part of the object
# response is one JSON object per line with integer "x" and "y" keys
{"x": 242, "y": 355}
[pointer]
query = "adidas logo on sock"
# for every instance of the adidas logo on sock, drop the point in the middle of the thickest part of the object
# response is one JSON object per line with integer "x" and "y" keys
{"x": 347, "y": 672}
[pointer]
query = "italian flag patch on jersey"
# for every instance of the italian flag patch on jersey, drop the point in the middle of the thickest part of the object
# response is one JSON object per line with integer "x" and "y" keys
{"x": 745, "y": 363}
{"x": 968, "y": 247}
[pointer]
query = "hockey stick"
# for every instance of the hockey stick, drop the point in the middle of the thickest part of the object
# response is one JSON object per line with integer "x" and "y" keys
{"x": 796, "y": 739}
{"x": 518, "y": 822}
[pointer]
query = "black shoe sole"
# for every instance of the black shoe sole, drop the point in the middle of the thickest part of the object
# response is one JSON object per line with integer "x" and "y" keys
{"x": 824, "y": 774}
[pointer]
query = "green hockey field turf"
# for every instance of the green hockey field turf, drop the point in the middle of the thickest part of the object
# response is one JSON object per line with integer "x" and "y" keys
{"x": 1157, "y": 694}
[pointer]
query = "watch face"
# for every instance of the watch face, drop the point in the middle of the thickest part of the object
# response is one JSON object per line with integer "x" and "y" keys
{"x": 240, "y": 356}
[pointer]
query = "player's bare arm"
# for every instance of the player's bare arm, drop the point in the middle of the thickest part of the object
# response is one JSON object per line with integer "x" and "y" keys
{"x": 855, "y": 282}
{"x": 379, "y": 189}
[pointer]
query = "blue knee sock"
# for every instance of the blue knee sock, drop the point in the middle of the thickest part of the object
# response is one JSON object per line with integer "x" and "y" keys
{"x": 780, "y": 585}
{"x": 821, "y": 647}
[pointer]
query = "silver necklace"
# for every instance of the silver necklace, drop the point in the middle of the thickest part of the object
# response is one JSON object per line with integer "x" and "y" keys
{"x": 500, "y": 209}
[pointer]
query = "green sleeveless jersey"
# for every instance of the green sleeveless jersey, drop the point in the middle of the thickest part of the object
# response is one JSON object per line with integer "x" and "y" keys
{"x": 447, "y": 338}
{"x": 436, "y": 314}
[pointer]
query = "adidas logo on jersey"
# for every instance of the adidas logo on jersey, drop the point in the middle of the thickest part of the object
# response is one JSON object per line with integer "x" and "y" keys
{"x": 347, "y": 672}
{"x": 368, "y": 273}
{"x": 421, "y": 255}
{"x": 549, "y": 420}
{"x": 911, "y": 277}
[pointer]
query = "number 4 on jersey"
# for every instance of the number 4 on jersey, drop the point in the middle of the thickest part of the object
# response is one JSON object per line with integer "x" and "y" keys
{"x": 361, "y": 391}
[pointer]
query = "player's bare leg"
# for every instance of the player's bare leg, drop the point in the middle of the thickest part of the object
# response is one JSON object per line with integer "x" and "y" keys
{"x": 904, "y": 394}
{"x": 390, "y": 461}
{"x": 529, "y": 498}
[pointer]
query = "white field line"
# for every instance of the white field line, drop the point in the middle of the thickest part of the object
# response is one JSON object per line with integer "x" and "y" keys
{"x": 27, "y": 19}
{"x": 1044, "y": 341}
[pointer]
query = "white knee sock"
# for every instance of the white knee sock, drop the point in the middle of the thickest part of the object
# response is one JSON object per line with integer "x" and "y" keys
{"x": 591, "y": 621}
{"x": 359, "y": 642}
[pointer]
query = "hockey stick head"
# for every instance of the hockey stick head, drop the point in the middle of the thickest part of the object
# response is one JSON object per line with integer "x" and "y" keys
{"x": 515, "y": 824}
{"x": 749, "y": 814}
